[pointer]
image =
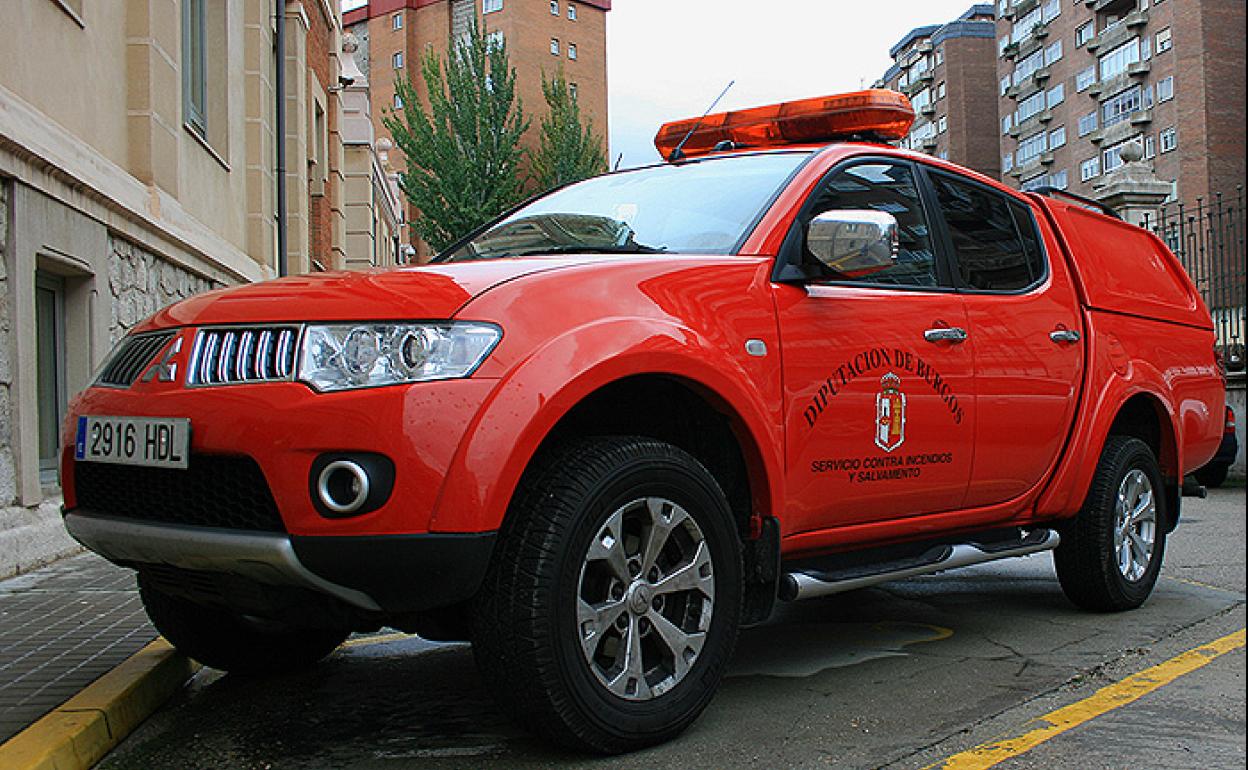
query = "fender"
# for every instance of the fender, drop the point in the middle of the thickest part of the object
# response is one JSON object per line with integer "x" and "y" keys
{"x": 1120, "y": 378}
{"x": 531, "y": 399}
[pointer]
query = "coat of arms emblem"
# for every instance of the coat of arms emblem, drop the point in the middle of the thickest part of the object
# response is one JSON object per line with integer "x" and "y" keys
{"x": 890, "y": 413}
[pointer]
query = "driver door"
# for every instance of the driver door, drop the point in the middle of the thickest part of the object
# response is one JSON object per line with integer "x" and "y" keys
{"x": 879, "y": 399}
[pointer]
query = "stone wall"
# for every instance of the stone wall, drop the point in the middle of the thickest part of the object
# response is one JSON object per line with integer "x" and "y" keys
{"x": 141, "y": 283}
{"x": 8, "y": 476}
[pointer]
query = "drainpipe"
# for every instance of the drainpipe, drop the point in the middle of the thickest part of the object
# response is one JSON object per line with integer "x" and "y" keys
{"x": 280, "y": 86}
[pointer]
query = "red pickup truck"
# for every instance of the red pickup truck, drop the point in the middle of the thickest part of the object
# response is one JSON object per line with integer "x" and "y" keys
{"x": 601, "y": 433}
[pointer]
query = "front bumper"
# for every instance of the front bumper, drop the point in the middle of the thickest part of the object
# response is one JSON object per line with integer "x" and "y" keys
{"x": 385, "y": 574}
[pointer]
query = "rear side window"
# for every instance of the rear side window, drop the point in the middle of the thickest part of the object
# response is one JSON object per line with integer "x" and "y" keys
{"x": 994, "y": 238}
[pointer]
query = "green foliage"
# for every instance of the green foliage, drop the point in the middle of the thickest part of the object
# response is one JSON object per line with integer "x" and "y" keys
{"x": 568, "y": 150}
{"x": 463, "y": 152}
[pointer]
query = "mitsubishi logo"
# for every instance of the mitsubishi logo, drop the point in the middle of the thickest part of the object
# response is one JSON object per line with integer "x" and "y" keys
{"x": 166, "y": 369}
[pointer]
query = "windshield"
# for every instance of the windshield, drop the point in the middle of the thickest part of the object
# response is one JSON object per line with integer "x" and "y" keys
{"x": 702, "y": 207}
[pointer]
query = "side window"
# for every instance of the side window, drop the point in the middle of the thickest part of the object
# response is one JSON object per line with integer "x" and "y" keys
{"x": 994, "y": 238}
{"x": 887, "y": 187}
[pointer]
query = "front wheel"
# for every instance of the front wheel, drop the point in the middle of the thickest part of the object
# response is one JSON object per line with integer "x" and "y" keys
{"x": 612, "y": 604}
{"x": 1111, "y": 553}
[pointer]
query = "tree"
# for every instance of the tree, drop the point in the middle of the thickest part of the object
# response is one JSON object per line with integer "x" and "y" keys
{"x": 568, "y": 150}
{"x": 463, "y": 151}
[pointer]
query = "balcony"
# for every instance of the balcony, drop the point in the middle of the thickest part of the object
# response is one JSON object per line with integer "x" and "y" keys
{"x": 929, "y": 144}
{"x": 1139, "y": 69}
{"x": 1046, "y": 158}
{"x": 1042, "y": 74}
{"x": 1095, "y": 89}
{"x": 1136, "y": 19}
{"x": 1024, "y": 7}
{"x": 1032, "y": 123}
{"x": 924, "y": 46}
{"x": 1141, "y": 117}
{"x": 927, "y": 110}
{"x": 1110, "y": 38}
{"x": 1040, "y": 31}
{"x": 1010, "y": 51}
{"x": 1031, "y": 169}
{"x": 1111, "y": 6}
{"x": 1111, "y": 135}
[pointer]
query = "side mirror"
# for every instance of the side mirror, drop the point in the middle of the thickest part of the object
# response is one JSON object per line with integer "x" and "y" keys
{"x": 853, "y": 242}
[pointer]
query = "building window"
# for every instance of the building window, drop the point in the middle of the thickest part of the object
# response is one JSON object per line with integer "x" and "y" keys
{"x": 194, "y": 65}
{"x": 1059, "y": 179}
{"x": 1169, "y": 139}
{"x": 1057, "y": 95}
{"x": 572, "y": 90}
{"x": 571, "y": 12}
{"x": 1007, "y": 162}
{"x": 1163, "y": 40}
{"x": 1006, "y": 123}
{"x": 1001, "y": 44}
{"x": 554, "y": 7}
{"x": 1030, "y": 148}
{"x": 490, "y": 6}
{"x": 1053, "y": 53}
{"x": 1111, "y": 157}
{"x": 1005, "y": 84}
{"x": 942, "y": 124}
{"x": 940, "y": 90}
{"x": 1089, "y": 169}
{"x": 940, "y": 56}
{"x": 554, "y": 46}
{"x": 1029, "y": 107}
{"x": 1119, "y": 107}
{"x": 1165, "y": 89}
{"x": 50, "y": 364}
{"x": 1027, "y": 67}
{"x": 572, "y": 51}
{"x": 1024, "y": 27}
{"x": 1116, "y": 61}
{"x": 495, "y": 40}
{"x": 396, "y": 21}
{"x": 1003, "y": 7}
{"x": 397, "y": 60}
{"x": 1057, "y": 137}
{"x": 398, "y": 102}
{"x": 1085, "y": 79}
{"x": 1150, "y": 147}
{"x": 1085, "y": 33}
{"x": 1052, "y": 9}
{"x": 1087, "y": 123}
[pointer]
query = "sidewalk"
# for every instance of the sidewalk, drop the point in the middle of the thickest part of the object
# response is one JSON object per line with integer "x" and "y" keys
{"x": 61, "y": 628}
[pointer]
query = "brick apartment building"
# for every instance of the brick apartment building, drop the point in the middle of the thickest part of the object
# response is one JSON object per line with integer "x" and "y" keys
{"x": 949, "y": 72}
{"x": 542, "y": 37}
{"x": 1080, "y": 79}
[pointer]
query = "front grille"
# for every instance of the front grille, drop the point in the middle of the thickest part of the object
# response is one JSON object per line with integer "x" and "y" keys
{"x": 214, "y": 491}
{"x": 236, "y": 356}
{"x": 131, "y": 357}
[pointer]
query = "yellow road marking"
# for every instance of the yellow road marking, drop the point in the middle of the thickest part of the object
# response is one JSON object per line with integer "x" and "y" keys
{"x": 1199, "y": 584}
{"x": 1103, "y": 701}
{"x": 368, "y": 640}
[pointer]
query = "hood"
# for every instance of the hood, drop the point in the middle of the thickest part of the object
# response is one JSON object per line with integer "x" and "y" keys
{"x": 428, "y": 292}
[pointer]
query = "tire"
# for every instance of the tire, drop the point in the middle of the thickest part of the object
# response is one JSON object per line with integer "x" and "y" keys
{"x": 1127, "y": 496}
{"x": 544, "y": 637}
{"x": 222, "y": 640}
{"x": 1213, "y": 475}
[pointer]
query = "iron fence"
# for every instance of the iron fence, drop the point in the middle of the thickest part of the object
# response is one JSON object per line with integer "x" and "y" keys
{"x": 1208, "y": 239}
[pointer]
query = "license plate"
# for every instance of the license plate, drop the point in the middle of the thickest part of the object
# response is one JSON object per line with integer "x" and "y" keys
{"x": 163, "y": 442}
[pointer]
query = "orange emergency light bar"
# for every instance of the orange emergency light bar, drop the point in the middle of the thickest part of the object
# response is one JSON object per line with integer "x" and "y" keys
{"x": 874, "y": 113}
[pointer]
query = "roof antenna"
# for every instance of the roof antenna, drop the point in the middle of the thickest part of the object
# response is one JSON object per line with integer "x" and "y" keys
{"x": 676, "y": 154}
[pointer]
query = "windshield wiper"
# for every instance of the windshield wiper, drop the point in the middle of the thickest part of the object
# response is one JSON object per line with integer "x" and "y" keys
{"x": 632, "y": 248}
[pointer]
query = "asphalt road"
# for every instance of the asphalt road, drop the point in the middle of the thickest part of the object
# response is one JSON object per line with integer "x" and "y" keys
{"x": 901, "y": 676}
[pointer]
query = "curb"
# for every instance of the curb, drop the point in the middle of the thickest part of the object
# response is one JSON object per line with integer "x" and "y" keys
{"x": 80, "y": 731}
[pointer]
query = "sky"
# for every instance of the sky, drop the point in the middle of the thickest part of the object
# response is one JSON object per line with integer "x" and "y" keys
{"x": 668, "y": 59}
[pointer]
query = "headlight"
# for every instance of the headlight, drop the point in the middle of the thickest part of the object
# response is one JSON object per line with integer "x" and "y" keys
{"x": 366, "y": 355}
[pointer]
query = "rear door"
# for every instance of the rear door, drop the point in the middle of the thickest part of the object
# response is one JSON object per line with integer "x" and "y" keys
{"x": 1025, "y": 324}
{"x": 879, "y": 419}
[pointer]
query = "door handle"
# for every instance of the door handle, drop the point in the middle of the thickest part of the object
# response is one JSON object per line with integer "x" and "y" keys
{"x": 1064, "y": 335}
{"x": 945, "y": 334}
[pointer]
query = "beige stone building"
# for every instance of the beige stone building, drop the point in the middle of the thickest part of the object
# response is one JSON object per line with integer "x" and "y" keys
{"x": 138, "y": 165}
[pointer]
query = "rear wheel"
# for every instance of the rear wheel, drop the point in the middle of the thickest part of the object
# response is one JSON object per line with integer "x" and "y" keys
{"x": 1111, "y": 553}
{"x": 226, "y": 641}
{"x": 612, "y": 604}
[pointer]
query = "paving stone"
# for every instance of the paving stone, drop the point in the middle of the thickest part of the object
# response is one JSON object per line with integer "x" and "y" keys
{"x": 61, "y": 628}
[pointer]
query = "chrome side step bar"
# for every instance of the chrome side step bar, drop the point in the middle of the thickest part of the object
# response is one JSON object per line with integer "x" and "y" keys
{"x": 809, "y": 584}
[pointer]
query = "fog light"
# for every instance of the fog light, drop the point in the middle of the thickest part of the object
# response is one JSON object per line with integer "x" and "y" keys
{"x": 343, "y": 486}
